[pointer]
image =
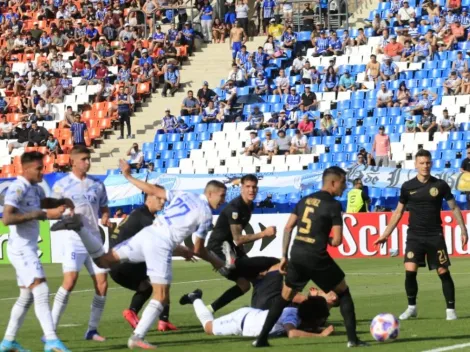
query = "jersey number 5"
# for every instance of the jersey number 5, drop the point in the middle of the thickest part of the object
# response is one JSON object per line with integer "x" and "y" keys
{"x": 179, "y": 208}
{"x": 305, "y": 230}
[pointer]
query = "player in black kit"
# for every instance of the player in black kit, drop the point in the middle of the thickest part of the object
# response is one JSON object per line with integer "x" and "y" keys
{"x": 423, "y": 196}
{"x": 134, "y": 276}
{"x": 315, "y": 216}
{"x": 227, "y": 237}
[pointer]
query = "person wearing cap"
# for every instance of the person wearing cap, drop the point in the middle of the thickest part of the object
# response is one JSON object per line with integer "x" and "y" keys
{"x": 269, "y": 146}
{"x": 335, "y": 46}
{"x": 388, "y": 69}
{"x": 206, "y": 92}
{"x": 465, "y": 18}
{"x": 452, "y": 84}
{"x": 426, "y": 99}
{"x": 423, "y": 50}
{"x": 381, "y": 148}
{"x": 405, "y": 14}
{"x": 321, "y": 45}
{"x": 446, "y": 123}
{"x": 299, "y": 143}
{"x": 358, "y": 200}
{"x": 157, "y": 38}
{"x": 328, "y": 126}
{"x": 293, "y": 101}
{"x": 410, "y": 125}
{"x": 347, "y": 82}
{"x": 393, "y": 49}
{"x": 275, "y": 29}
{"x": 413, "y": 31}
{"x": 169, "y": 123}
{"x": 172, "y": 81}
{"x": 188, "y": 36}
{"x": 252, "y": 144}
{"x": 261, "y": 84}
{"x": 237, "y": 38}
{"x": 447, "y": 39}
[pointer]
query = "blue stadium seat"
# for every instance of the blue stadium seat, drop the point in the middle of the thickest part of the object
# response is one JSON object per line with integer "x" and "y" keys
{"x": 193, "y": 145}
{"x": 375, "y": 193}
{"x": 400, "y": 129}
{"x": 328, "y": 140}
{"x": 303, "y": 36}
{"x": 383, "y": 121}
{"x": 357, "y": 104}
{"x": 172, "y": 163}
{"x": 315, "y": 166}
{"x": 390, "y": 192}
{"x": 455, "y": 163}
{"x": 372, "y": 130}
{"x": 362, "y": 113}
{"x": 398, "y": 120}
{"x": 148, "y": 147}
{"x": 181, "y": 154}
{"x": 455, "y": 136}
{"x": 179, "y": 145}
{"x": 160, "y": 137}
{"x": 113, "y": 171}
{"x": 438, "y": 164}
{"x": 349, "y": 139}
{"x": 195, "y": 119}
{"x": 448, "y": 155}
{"x": 359, "y": 131}
{"x": 290, "y": 132}
{"x": 189, "y": 136}
{"x": 370, "y": 121}
{"x": 325, "y": 158}
{"x": 200, "y": 127}
{"x": 358, "y": 96}
{"x": 149, "y": 155}
{"x": 173, "y": 137}
{"x": 340, "y": 157}
{"x": 215, "y": 127}
{"x": 460, "y": 145}
{"x": 166, "y": 154}
{"x": 273, "y": 99}
{"x": 161, "y": 146}
{"x": 394, "y": 137}
{"x": 420, "y": 74}
{"x": 204, "y": 136}
{"x": 336, "y": 148}
{"x": 444, "y": 145}
{"x": 434, "y": 72}
{"x": 343, "y": 105}
{"x": 380, "y": 112}
{"x": 350, "y": 148}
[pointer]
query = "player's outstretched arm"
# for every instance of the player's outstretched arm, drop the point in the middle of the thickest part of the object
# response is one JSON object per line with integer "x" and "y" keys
{"x": 458, "y": 216}
{"x": 12, "y": 217}
{"x": 145, "y": 187}
{"x": 292, "y": 332}
{"x": 396, "y": 217}
{"x": 201, "y": 252}
{"x": 50, "y": 203}
{"x": 240, "y": 240}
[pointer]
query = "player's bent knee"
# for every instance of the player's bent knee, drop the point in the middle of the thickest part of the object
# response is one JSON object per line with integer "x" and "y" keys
{"x": 411, "y": 267}
{"x": 442, "y": 271}
{"x": 208, "y": 328}
{"x": 244, "y": 285}
{"x": 341, "y": 287}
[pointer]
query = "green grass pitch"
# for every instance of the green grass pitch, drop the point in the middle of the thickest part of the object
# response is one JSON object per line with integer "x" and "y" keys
{"x": 377, "y": 286}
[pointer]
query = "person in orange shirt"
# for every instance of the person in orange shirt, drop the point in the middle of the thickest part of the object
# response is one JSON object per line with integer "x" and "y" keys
{"x": 457, "y": 30}
{"x": 454, "y": 5}
{"x": 394, "y": 49}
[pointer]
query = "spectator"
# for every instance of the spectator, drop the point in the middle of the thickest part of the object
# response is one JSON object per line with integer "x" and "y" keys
{"x": 269, "y": 146}
{"x": 206, "y": 92}
{"x": 381, "y": 147}
{"x": 252, "y": 144}
{"x": 309, "y": 100}
{"x": 428, "y": 122}
{"x": 335, "y": 45}
{"x": 124, "y": 112}
{"x": 328, "y": 125}
{"x": 372, "y": 70}
{"x": 206, "y": 21}
{"x": 298, "y": 64}
{"x": 393, "y": 49}
{"x": 275, "y": 29}
{"x": 169, "y": 123}
{"x": 190, "y": 105}
{"x": 6, "y": 128}
{"x": 384, "y": 40}
{"x": 457, "y": 31}
{"x": 37, "y": 135}
{"x": 261, "y": 84}
{"x": 283, "y": 142}
{"x": 282, "y": 83}
{"x": 299, "y": 143}
{"x": 256, "y": 119}
{"x": 465, "y": 168}
{"x": 306, "y": 126}
{"x": 136, "y": 157}
{"x": 358, "y": 200}
{"x": 389, "y": 70}
{"x": 405, "y": 14}
{"x": 230, "y": 92}
{"x": 347, "y": 82}
{"x": 379, "y": 24}
{"x": 218, "y": 31}
{"x": 237, "y": 38}
{"x": 367, "y": 157}
{"x": 237, "y": 75}
{"x": 452, "y": 84}
{"x": 209, "y": 113}
{"x": 447, "y": 40}
{"x": 78, "y": 130}
{"x": 410, "y": 125}
{"x": 459, "y": 65}
{"x": 465, "y": 87}
{"x": 308, "y": 16}
{"x": 172, "y": 81}
{"x": 150, "y": 167}
{"x": 241, "y": 9}
{"x": 384, "y": 97}
{"x": 56, "y": 93}
{"x": 293, "y": 101}
{"x": 403, "y": 95}
{"x": 288, "y": 39}
{"x": 183, "y": 127}
{"x": 321, "y": 45}
{"x": 22, "y": 135}
{"x": 425, "y": 101}
{"x": 52, "y": 145}
{"x": 4, "y": 105}
{"x": 446, "y": 123}
{"x": 331, "y": 80}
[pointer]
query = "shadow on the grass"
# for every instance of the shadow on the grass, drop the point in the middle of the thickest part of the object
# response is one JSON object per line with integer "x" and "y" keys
{"x": 430, "y": 338}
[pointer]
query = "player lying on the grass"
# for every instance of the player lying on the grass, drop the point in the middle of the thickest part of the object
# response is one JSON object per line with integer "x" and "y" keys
{"x": 186, "y": 214}
{"x": 134, "y": 276}
{"x": 305, "y": 321}
{"x": 25, "y": 204}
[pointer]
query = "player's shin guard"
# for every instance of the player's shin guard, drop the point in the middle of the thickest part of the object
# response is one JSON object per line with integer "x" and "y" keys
{"x": 228, "y": 296}
{"x": 43, "y": 311}
{"x": 448, "y": 289}
{"x": 139, "y": 299}
{"x": 346, "y": 307}
{"x": 60, "y": 303}
{"x": 97, "y": 308}
{"x": 93, "y": 245}
{"x": 273, "y": 316}
{"x": 18, "y": 313}
{"x": 202, "y": 312}
{"x": 411, "y": 287}
{"x": 150, "y": 315}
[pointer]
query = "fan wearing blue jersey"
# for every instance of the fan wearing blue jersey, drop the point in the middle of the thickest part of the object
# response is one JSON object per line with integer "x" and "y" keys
{"x": 90, "y": 199}
{"x": 186, "y": 214}
{"x": 25, "y": 204}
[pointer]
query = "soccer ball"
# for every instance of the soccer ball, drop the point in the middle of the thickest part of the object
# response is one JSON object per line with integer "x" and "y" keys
{"x": 385, "y": 326}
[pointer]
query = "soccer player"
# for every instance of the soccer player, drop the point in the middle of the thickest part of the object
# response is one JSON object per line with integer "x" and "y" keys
{"x": 90, "y": 198}
{"x": 228, "y": 232}
{"x": 315, "y": 217}
{"x": 24, "y": 204}
{"x": 134, "y": 276}
{"x": 248, "y": 321}
{"x": 186, "y": 214}
{"x": 423, "y": 196}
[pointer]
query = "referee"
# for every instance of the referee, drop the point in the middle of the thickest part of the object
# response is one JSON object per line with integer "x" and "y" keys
{"x": 134, "y": 276}
{"x": 423, "y": 196}
{"x": 228, "y": 232}
{"x": 315, "y": 216}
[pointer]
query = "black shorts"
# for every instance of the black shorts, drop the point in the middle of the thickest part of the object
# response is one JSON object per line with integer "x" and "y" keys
{"x": 266, "y": 290}
{"x": 129, "y": 275}
{"x": 323, "y": 271}
{"x": 430, "y": 248}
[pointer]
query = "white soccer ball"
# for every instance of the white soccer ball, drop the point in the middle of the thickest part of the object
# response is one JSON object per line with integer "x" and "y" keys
{"x": 384, "y": 327}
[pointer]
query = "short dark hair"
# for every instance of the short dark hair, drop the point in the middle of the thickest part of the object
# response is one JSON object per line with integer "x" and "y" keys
{"x": 29, "y": 157}
{"x": 215, "y": 184}
{"x": 357, "y": 180}
{"x": 146, "y": 195}
{"x": 249, "y": 178}
{"x": 80, "y": 149}
{"x": 315, "y": 307}
{"x": 333, "y": 171}
{"x": 423, "y": 153}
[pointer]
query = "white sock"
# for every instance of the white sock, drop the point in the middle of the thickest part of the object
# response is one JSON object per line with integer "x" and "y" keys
{"x": 93, "y": 245}
{"x": 149, "y": 316}
{"x": 412, "y": 307}
{"x": 18, "y": 313}
{"x": 43, "y": 311}
{"x": 60, "y": 303}
{"x": 203, "y": 313}
{"x": 97, "y": 307}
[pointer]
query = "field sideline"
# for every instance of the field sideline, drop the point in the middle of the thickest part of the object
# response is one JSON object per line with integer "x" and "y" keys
{"x": 376, "y": 285}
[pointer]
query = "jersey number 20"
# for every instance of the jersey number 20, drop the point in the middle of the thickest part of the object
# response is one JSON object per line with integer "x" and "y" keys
{"x": 178, "y": 208}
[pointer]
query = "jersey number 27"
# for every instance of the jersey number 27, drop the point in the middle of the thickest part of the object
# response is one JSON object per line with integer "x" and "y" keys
{"x": 178, "y": 208}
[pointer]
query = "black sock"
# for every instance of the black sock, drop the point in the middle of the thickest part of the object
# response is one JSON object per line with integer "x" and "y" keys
{"x": 346, "y": 307}
{"x": 228, "y": 296}
{"x": 165, "y": 314}
{"x": 139, "y": 299}
{"x": 273, "y": 316}
{"x": 411, "y": 287}
{"x": 449, "y": 289}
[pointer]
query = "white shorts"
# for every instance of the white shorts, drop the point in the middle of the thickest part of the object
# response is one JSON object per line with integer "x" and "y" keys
{"x": 230, "y": 324}
{"x": 74, "y": 258}
{"x": 153, "y": 246}
{"x": 27, "y": 265}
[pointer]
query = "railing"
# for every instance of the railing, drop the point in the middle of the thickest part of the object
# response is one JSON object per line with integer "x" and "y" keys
{"x": 335, "y": 19}
{"x": 192, "y": 15}
{"x": 139, "y": 25}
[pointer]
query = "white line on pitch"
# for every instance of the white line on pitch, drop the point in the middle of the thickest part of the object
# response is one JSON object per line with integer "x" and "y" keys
{"x": 119, "y": 288}
{"x": 449, "y": 348}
